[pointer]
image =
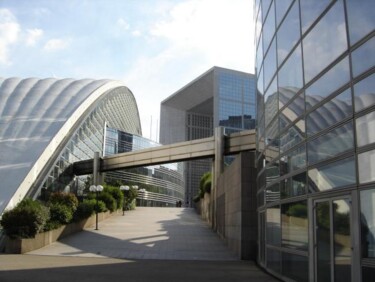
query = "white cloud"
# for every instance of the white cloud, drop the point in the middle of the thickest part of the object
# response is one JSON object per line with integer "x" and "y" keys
{"x": 56, "y": 44}
{"x": 33, "y": 35}
{"x": 136, "y": 33}
{"x": 9, "y": 34}
{"x": 123, "y": 24}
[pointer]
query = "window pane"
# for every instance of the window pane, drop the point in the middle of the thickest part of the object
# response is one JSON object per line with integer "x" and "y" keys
{"x": 290, "y": 75}
{"x": 364, "y": 93}
{"x": 331, "y": 144}
{"x": 295, "y": 267}
{"x": 366, "y": 167}
{"x": 293, "y": 160}
{"x": 288, "y": 33}
{"x": 361, "y": 18}
{"x": 368, "y": 223}
{"x": 317, "y": 45}
{"x": 294, "y": 186}
{"x": 294, "y": 110}
{"x": 269, "y": 65}
{"x": 365, "y": 129}
{"x": 331, "y": 176}
{"x": 271, "y": 102}
{"x": 272, "y": 173}
{"x": 294, "y": 225}
{"x": 259, "y": 56}
{"x": 273, "y": 226}
{"x": 281, "y": 8}
{"x": 291, "y": 137}
{"x": 332, "y": 112}
{"x": 268, "y": 27}
{"x": 328, "y": 83}
{"x": 272, "y": 135}
{"x": 368, "y": 274}
{"x": 274, "y": 260}
{"x": 310, "y": 10}
{"x": 273, "y": 193}
{"x": 363, "y": 58}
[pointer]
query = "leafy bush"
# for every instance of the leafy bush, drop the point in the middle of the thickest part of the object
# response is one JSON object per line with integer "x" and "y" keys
{"x": 67, "y": 199}
{"x": 205, "y": 184}
{"x": 109, "y": 201}
{"x": 60, "y": 213}
{"x": 85, "y": 209}
{"x": 116, "y": 194}
{"x": 25, "y": 220}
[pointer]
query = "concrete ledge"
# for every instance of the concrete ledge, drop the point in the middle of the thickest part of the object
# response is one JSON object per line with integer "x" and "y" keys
{"x": 21, "y": 246}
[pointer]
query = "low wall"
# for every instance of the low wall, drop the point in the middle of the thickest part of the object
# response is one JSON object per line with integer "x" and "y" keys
{"x": 21, "y": 246}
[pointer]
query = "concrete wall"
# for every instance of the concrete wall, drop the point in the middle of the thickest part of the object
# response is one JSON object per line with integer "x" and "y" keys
{"x": 236, "y": 219}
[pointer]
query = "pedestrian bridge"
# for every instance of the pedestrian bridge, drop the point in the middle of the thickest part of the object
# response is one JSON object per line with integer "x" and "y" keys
{"x": 212, "y": 147}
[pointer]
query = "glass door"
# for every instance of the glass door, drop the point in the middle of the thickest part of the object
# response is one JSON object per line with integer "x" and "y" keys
{"x": 332, "y": 240}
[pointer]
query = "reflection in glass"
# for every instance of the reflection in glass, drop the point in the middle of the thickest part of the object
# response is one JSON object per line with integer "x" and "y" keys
{"x": 273, "y": 193}
{"x": 291, "y": 137}
{"x": 274, "y": 260}
{"x": 363, "y": 58}
{"x": 272, "y": 135}
{"x": 259, "y": 56}
{"x": 294, "y": 110}
{"x": 295, "y": 267}
{"x": 273, "y": 226}
{"x": 368, "y": 274}
{"x": 342, "y": 240}
{"x": 271, "y": 102}
{"x": 360, "y": 18}
{"x": 268, "y": 26}
{"x": 281, "y": 8}
{"x": 365, "y": 126}
{"x": 323, "y": 241}
{"x": 293, "y": 160}
{"x": 331, "y": 144}
{"x": 364, "y": 93}
{"x": 294, "y": 225}
{"x": 310, "y": 10}
{"x": 333, "y": 175}
{"x": 272, "y": 173}
{"x": 366, "y": 167}
{"x": 288, "y": 33}
{"x": 328, "y": 83}
{"x": 290, "y": 75}
{"x": 330, "y": 113}
{"x": 269, "y": 65}
{"x": 293, "y": 186}
{"x": 368, "y": 223}
{"x": 317, "y": 45}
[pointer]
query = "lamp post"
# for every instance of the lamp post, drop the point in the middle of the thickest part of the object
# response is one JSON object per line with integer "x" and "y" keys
{"x": 125, "y": 190}
{"x": 96, "y": 189}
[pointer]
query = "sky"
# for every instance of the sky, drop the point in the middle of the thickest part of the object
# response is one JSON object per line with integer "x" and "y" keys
{"x": 154, "y": 46}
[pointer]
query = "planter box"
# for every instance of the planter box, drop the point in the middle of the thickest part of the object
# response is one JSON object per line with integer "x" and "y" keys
{"x": 21, "y": 246}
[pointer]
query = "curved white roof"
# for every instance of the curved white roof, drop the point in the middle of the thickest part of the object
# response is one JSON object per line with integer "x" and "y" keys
{"x": 35, "y": 116}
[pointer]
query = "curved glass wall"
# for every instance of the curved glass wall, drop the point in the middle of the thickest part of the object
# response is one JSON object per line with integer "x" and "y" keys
{"x": 315, "y": 66}
{"x": 164, "y": 184}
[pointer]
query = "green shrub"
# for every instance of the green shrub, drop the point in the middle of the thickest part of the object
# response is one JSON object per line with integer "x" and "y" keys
{"x": 60, "y": 213}
{"x": 67, "y": 199}
{"x": 25, "y": 220}
{"x": 109, "y": 201}
{"x": 205, "y": 184}
{"x": 84, "y": 210}
{"x": 116, "y": 194}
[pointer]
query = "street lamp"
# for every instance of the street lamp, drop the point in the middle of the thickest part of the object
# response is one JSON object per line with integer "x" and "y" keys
{"x": 96, "y": 189}
{"x": 125, "y": 190}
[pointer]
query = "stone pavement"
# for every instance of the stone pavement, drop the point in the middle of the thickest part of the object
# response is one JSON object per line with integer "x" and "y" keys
{"x": 148, "y": 244}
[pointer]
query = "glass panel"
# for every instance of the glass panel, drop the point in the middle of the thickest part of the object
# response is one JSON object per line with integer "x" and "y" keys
{"x": 366, "y": 167}
{"x": 330, "y": 113}
{"x": 333, "y": 175}
{"x": 317, "y": 45}
{"x": 365, "y": 126}
{"x": 331, "y": 144}
{"x": 273, "y": 260}
{"x": 272, "y": 135}
{"x": 368, "y": 274}
{"x": 273, "y": 193}
{"x": 273, "y": 226}
{"x": 291, "y": 137}
{"x": 290, "y": 75}
{"x": 363, "y": 58}
{"x": 295, "y": 267}
{"x": 259, "y": 56}
{"x": 265, "y": 7}
{"x": 272, "y": 173}
{"x": 361, "y": 18}
{"x": 271, "y": 102}
{"x": 294, "y": 186}
{"x": 281, "y": 8}
{"x": 364, "y": 93}
{"x": 294, "y": 110}
{"x": 328, "y": 83}
{"x": 294, "y": 225}
{"x": 288, "y": 33}
{"x": 310, "y": 11}
{"x": 260, "y": 85}
{"x": 262, "y": 236}
{"x": 368, "y": 223}
{"x": 268, "y": 27}
{"x": 342, "y": 240}
{"x": 269, "y": 65}
{"x": 323, "y": 242}
{"x": 293, "y": 160}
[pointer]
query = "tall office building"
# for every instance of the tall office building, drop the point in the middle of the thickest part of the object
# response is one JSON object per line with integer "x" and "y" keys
{"x": 315, "y": 67}
{"x": 219, "y": 97}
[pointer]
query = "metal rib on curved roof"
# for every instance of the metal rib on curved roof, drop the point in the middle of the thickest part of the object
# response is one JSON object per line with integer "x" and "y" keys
{"x": 35, "y": 116}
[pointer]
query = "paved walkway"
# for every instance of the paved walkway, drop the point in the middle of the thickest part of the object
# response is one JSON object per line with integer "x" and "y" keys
{"x": 148, "y": 244}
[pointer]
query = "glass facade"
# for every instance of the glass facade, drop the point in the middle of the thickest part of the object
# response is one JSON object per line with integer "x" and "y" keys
{"x": 315, "y": 66}
{"x": 164, "y": 184}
